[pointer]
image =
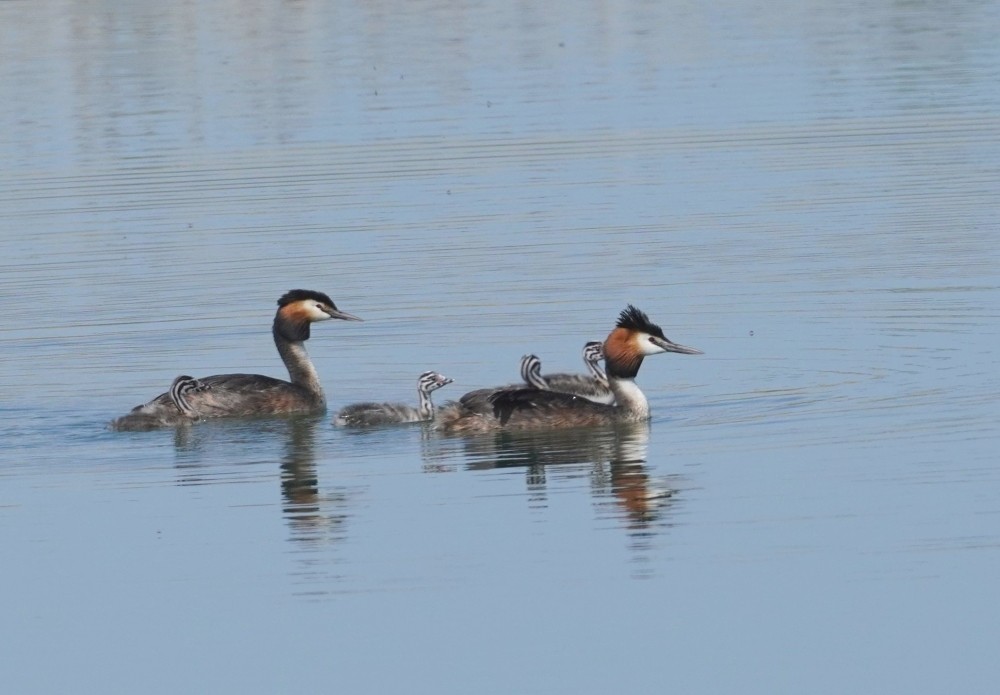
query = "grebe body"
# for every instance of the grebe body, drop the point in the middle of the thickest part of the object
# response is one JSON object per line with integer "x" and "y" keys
{"x": 633, "y": 338}
{"x": 244, "y": 395}
{"x": 378, "y": 414}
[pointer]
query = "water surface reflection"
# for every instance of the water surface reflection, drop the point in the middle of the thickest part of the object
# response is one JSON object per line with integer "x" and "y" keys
{"x": 313, "y": 517}
{"x": 614, "y": 457}
{"x": 213, "y": 452}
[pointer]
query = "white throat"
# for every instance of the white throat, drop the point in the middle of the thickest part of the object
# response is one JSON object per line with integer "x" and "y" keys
{"x": 426, "y": 408}
{"x": 630, "y": 398}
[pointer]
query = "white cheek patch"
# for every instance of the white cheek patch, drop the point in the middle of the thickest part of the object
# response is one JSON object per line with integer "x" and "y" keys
{"x": 648, "y": 347}
{"x": 315, "y": 313}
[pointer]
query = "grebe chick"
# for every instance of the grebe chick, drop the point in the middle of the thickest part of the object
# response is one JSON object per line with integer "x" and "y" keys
{"x": 375, "y": 414}
{"x": 182, "y": 386}
{"x": 152, "y": 416}
{"x": 633, "y": 338}
{"x": 593, "y": 353}
{"x": 235, "y": 395}
{"x": 593, "y": 386}
{"x": 481, "y": 401}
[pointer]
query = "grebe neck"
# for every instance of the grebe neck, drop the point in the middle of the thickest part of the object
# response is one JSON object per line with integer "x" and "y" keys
{"x": 632, "y": 402}
{"x": 426, "y": 409}
{"x": 301, "y": 371}
{"x": 597, "y": 372}
{"x": 593, "y": 353}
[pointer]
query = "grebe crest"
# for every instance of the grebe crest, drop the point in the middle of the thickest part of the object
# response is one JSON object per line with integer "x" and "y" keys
{"x": 634, "y": 338}
{"x": 375, "y": 414}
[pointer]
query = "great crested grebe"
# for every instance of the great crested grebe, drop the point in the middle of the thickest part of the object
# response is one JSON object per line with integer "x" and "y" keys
{"x": 593, "y": 386}
{"x": 633, "y": 338}
{"x": 145, "y": 417}
{"x": 375, "y": 414}
{"x": 235, "y": 395}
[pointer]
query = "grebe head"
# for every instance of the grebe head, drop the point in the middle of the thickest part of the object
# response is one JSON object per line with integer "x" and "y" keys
{"x": 593, "y": 352}
{"x": 633, "y": 338}
{"x": 297, "y": 309}
{"x": 432, "y": 381}
{"x": 531, "y": 371}
{"x": 310, "y": 306}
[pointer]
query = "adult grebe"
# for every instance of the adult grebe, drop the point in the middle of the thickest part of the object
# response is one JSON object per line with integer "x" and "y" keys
{"x": 375, "y": 414}
{"x": 145, "y": 417}
{"x": 234, "y": 395}
{"x": 593, "y": 386}
{"x": 633, "y": 338}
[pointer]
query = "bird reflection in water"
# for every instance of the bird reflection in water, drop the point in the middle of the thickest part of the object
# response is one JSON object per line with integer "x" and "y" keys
{"x": 616, "y": 453}
{"x": 314, "y": 518}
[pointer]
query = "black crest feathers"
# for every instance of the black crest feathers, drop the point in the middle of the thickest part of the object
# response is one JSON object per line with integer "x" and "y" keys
{"x": 634, "y": 320}
{"x": 299, "y": 295}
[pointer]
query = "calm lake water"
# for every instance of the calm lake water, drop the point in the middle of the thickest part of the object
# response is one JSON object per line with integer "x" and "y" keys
{"x": 808, "y": 192}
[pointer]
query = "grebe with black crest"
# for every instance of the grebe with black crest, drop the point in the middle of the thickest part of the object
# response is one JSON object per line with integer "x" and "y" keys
{"x": 633, "y": 338}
